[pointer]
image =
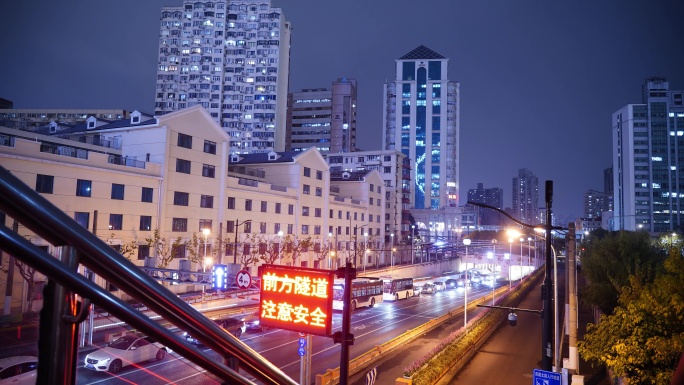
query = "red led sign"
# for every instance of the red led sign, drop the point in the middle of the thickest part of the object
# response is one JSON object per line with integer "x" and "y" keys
{"x": 297, "y": 299}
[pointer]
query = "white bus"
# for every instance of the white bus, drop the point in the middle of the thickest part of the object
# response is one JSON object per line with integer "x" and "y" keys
{"x": 395, "y": 289}
{"x": 366, "y": 291}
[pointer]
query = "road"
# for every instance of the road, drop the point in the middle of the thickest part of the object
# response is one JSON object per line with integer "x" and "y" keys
{"x": 370, "y": 326}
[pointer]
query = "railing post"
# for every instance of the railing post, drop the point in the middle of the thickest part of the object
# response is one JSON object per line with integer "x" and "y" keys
{"x": 58, "y": 339}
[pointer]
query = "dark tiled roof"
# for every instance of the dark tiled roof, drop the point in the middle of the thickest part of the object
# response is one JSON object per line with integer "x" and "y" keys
{"x": 283, "y": 157}
{"x": 422, "y": 52}
{"x": 83, "y": 127}
{"x": 353, "y": 175}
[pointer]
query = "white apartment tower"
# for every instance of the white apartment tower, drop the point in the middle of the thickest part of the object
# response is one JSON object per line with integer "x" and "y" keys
{"x": 648, "y": 143}
{"x": 323, "y": 118}
{"x": 421, "y": 120}
{"x": 233, "y": 59}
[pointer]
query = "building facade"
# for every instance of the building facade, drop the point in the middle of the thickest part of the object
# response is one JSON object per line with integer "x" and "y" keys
{"x": 322, "y": 118}
{"x": 233, "y": 59}
{"x": 490, "y": 196}
{"x": 648, "y": 139}
{"x": 421, "y": 120}
{"x": 395, "y": 170}
{"x": 140, "y": 181}
{"x": 525, "y": 192}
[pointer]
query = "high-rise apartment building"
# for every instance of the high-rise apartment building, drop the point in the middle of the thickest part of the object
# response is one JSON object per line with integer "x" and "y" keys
{"x": 421, "y": 119}
{"x": 489, "y": 196}
{"x": 526, "y": 197}
{"x": 648, "y": 140}
{"x": 232, "y": 58}
{"x": 323, "y": 118}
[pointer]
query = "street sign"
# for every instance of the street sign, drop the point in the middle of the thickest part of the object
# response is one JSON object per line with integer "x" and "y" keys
{"x": 302, "y": 342}
{"x": 302, "y": 352}
{"x": 243, "y": 280}
{"x": 543, "y": 377}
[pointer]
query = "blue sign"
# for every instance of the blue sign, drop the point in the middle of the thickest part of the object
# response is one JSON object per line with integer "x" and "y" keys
{"x": 302, "y": 351}
{"x": 543, "y": 377}
{"x": 219, "y": 275}
{"x": 302, "y": 342}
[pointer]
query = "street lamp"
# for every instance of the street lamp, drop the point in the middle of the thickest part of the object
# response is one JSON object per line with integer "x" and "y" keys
{"x": 413, "y": 240}
{"x": 206, "y": 233}
{"x": 237, "y": 226}
{"x": 466, "y": 242}
{"x": 331, "y": 251}
{"x": 392, "y": 250}
{"x": 280, "y": 247}
{"x": 365, "y": 250}
{"x": 491, "y": 255}
{"x": 529, "y": 245}
{"x": 521, "y": 245}
{"x": 510, "y": 261}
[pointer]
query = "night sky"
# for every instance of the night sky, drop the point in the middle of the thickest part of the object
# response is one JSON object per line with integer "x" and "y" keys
{"x": 539, "y": 80}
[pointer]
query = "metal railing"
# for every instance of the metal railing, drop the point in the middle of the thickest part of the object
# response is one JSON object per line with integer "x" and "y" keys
{"x": 76, "y": 245}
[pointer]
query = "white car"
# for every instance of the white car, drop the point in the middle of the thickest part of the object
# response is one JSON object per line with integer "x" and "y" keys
{"x": 126, "y": 350}
{"x": 18, "y": 370}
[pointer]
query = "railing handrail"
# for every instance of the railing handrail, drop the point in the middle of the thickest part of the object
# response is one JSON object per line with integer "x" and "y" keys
{"x": 43, "y": 218}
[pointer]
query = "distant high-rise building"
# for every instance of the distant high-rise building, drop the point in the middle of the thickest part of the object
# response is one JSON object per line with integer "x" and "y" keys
{"x": 232, "y": 58}
{"x": 421, "y": 119}
{"x": 595, "y": 203}
{"x": 648, "y": 177}
{"x": 489, "y": 196}
{"x": 526, "y": 197}
{"x": 322, "y": 118}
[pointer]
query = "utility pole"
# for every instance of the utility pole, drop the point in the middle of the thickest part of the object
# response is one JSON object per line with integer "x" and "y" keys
{"x": 571, "y": 309}
{"x": 344, "y": 337}
{"x": 547, "y": 287}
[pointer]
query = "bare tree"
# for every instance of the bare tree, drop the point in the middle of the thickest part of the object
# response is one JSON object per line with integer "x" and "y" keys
{"x": 128, "y": 250}
{"x": 294, "y": 247}
{"x": 164, "y": 251}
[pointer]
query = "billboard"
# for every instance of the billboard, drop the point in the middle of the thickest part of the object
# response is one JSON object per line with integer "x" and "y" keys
{"x": 297, "y": 299}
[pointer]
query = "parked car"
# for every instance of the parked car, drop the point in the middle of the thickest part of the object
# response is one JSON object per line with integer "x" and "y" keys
{"x": 439, "y": 286}
{"x": 428, "y": 288}
{"x": 451, "y": 283}
{"x": 18, "y": 370}
{"x": 252, "y": 322}
{"x": 126, "y": 350}
{"x": 234, "y": 326}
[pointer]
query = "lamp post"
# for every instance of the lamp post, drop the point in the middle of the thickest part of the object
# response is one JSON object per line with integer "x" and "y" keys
{"x": 413, "y": 240}
{"x": 466, "y": 242}
{"x": 491, "y": 255}
{"x": 392, "y": 250}
{"x": 331, "y": 251}
{"x": 510, "y": 261}
{"x": 206, "y": 232}
{"x": 237, "y": 226}
{"x": 365, "y": 250}
{"x": 529, "y": 245}
{"x": 521, "y": 269}
{"x": 280, "y": 247}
